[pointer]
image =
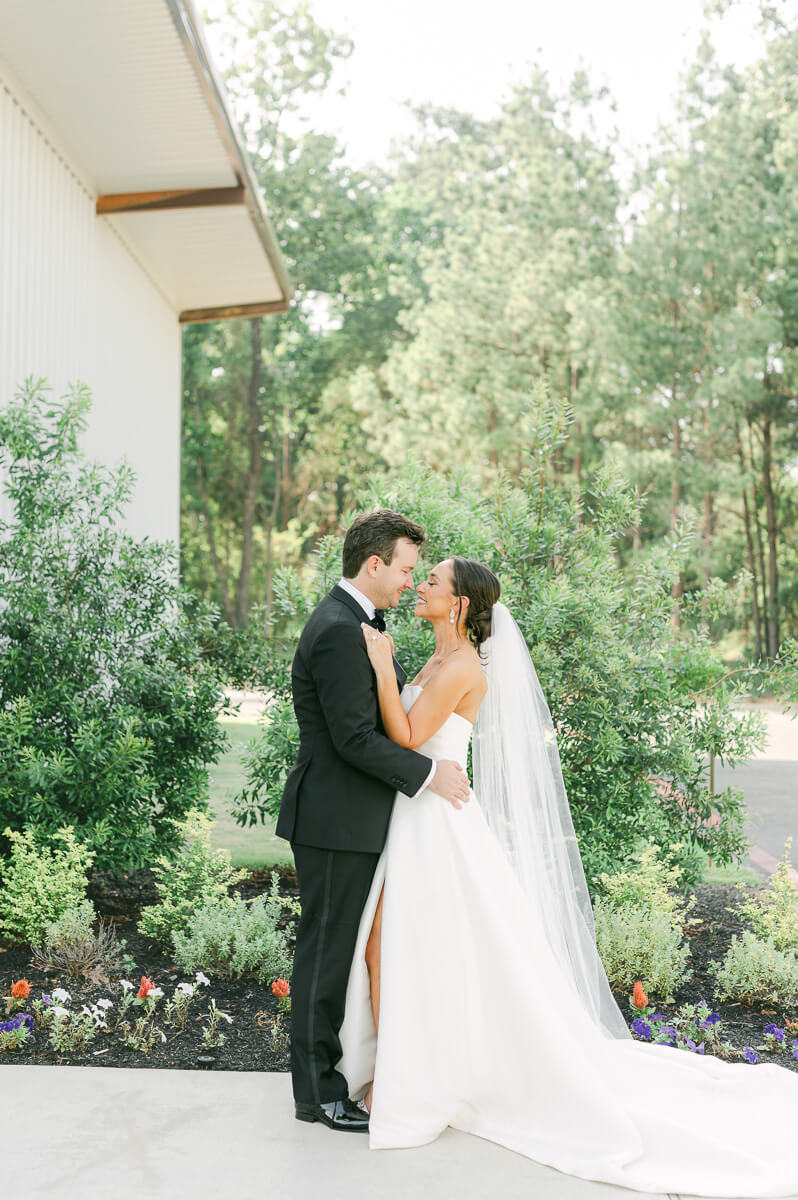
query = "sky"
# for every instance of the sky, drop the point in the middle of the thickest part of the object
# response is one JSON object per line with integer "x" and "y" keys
{"x": 467, "y": 54}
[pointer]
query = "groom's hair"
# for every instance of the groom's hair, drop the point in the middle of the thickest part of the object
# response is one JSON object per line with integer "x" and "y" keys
{"x": 377, "y": 533}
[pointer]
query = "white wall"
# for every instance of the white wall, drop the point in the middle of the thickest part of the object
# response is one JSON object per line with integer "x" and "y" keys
{"x": 75, "y": 304}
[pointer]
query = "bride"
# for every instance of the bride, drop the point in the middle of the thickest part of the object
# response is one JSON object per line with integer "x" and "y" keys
{"x": 476, "y": 998}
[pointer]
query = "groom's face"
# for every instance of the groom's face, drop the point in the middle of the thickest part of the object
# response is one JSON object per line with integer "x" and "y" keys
{"x": 392, "y": 578}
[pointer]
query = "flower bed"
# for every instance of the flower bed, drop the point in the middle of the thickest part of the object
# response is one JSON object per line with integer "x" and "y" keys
{"x": 191, "y": 1015}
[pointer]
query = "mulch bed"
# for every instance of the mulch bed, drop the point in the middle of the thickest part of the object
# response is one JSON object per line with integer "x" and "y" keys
{"x": 247, "y": 1047}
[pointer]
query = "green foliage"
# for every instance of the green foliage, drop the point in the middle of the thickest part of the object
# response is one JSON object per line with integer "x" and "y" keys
{"x": 41, "y": 882}
{"x": 756, "y": 971}
{"x": 193, "y": 878}
{"x": 648, "y": 885}
{"x": 639, "y": 944}
{"x": 632, "y": 736}
{"x": 773, "y": 913}
{"x": 237, "y": 939}
{"x": 640, "y": 921}
{"x": 108, "y": 715}
{"x": 72, "y": 946}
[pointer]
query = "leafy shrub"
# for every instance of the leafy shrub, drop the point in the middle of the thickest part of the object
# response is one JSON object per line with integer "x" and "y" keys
{"x": 756, "y": 971}
{"x": 41, "y": 882}
{"x": 625, "y": 698}
{"x": 240, "y": 938}
{"x": 72, "y": 946}
{"x": 648, "y": 885}
{"x": 639, "y": 922}
{"x": 640, "y": 944}
{"x": 194, "y": 878}
{"x": 774, "y": 912}
{"x": 109, "y": 713}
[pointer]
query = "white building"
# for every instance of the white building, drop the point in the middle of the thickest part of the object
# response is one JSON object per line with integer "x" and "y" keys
{"x": 127, "y": 207}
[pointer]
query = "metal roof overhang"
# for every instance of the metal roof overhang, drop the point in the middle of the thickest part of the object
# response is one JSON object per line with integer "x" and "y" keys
{"x": 127, "y": 92}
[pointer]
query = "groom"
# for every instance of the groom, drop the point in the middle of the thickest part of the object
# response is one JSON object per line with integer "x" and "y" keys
{"x": 338, "y": 799}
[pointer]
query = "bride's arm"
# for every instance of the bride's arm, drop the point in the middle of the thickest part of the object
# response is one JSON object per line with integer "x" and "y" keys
{"x": 434, "y": 706}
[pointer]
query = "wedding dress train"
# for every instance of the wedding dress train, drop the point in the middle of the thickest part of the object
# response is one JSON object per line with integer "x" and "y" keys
{"x": 480, "y": 1030}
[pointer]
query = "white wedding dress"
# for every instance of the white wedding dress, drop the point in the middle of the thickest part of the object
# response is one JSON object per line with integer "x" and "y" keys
{"x": 480, "y": 1030}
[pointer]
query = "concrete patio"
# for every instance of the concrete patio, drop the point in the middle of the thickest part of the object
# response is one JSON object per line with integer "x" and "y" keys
{"x": 83, "y": 1133}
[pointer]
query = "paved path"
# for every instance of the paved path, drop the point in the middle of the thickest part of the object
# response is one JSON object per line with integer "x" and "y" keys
{"x": 87, "y": 1133}
{"x": 770, "y": 786}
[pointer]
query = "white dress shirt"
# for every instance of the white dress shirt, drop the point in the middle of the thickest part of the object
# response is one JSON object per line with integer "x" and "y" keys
{"x": 369, "y": 609}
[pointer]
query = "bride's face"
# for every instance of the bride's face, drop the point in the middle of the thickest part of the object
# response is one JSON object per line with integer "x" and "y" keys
{"x": 436, "y": 595}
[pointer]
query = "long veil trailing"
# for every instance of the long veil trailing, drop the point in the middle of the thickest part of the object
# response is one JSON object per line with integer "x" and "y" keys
{"x": 518, "y": 782}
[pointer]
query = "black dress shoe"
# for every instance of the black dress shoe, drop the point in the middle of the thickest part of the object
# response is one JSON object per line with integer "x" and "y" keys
{"x": 337, "y": 1114}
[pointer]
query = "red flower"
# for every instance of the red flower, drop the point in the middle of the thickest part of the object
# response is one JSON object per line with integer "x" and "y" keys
{"x": 281, "y": 988}
{"x": 20, "y": 990}
{"x": 146, "y": 987}
{"x": 639, "y": 997}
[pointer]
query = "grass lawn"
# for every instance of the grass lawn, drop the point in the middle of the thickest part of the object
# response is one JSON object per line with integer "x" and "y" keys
{"x": 253, "y": 846}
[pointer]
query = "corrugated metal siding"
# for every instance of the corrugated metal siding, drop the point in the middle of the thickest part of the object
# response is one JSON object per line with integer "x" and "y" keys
{"x": 74, "y": 304}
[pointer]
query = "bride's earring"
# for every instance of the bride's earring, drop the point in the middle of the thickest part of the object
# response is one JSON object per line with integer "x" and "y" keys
{"x": 451, "y": 616}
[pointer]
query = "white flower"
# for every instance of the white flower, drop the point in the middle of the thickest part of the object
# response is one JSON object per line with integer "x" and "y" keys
{"x": 229, "y": 1020}
{"x": 125, "y": 985}
{"x": 163, "y": 1037}
{"x": 186, "y": 988}
{"x": 60, "y": 994}
{"x": 105, "y": 1004}
{"x": 154, "y": 993}
{"x": 200, "y": 978}
{"x": 57, "y": 1011}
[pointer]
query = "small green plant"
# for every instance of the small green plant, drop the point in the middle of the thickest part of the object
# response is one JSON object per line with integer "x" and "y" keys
{"x": 649, "y": 885}
{"x": 774, "y": 912}
{"x": 40, "y": 882}
{"x": 242, "y": 937}
{"x": 211, "y": 1033}
{"x": 641, "y": 945}
{"x": 639, "y": 923}
{"x": 196, "y": 877}
{"x": 278, "y": 1037}
{"x": 71, "y": 1030}
{"x": 71, "y": 945}
{"x": 142, "y": 1035}
{"x": 14, "y": 1034}
{"x": 755, "y": 970}
{"x": 176, "y": 1010}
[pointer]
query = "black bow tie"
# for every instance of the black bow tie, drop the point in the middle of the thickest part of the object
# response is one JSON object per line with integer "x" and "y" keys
{"x": 379, "y": 620}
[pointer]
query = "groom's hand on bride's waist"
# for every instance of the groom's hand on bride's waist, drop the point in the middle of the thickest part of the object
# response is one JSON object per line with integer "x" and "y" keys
{"x": 451, "y": 782}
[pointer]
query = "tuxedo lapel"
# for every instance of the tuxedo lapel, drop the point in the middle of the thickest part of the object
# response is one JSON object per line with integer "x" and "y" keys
{"x": 338, "y": 593}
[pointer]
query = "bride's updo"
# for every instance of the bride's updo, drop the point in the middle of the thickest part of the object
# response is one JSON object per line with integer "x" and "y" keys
{"x": 472, "y": 579}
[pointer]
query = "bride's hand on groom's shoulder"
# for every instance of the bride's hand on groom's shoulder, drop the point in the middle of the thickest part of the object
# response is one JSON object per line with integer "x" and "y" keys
{"x": 379, "y": 646}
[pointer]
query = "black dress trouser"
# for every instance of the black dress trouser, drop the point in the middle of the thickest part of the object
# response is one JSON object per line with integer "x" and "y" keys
{"x": 333, "y": 888}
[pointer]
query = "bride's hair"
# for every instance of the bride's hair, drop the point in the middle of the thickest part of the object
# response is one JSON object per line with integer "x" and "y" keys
{"x": 480, "y": 585}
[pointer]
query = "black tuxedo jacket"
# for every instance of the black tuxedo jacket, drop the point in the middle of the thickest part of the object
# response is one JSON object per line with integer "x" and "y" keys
{"x": 339, "y": 793}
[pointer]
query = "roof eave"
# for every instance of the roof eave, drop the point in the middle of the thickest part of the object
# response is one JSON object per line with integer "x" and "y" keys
{"x": 190, "y": 32}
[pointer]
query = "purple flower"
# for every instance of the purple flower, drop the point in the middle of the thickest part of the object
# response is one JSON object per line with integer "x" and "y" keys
{"x": 750, "y": 1055}
{"x": 690, "y": 1044}
{"x": 712, "y": 1019}
{"x": 46, "y": 999}
{"x": 775, "y": 1032}
{"x": 641, "y": 1028}
{"x": 700, "y": 1048}
{"x": 657, "y": 1017}
{"x": 795, "y": 1050}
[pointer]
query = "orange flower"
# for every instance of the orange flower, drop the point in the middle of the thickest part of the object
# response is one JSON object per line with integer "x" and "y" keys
{"x": 146, "y": 987}
{"x": 20, "y": 990}
{"x": 281, "y": 988}
{"x": 639, "y": 997}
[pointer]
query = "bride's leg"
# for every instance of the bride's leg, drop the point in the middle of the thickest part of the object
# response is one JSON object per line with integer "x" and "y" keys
{"x": 373, "y": 946}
